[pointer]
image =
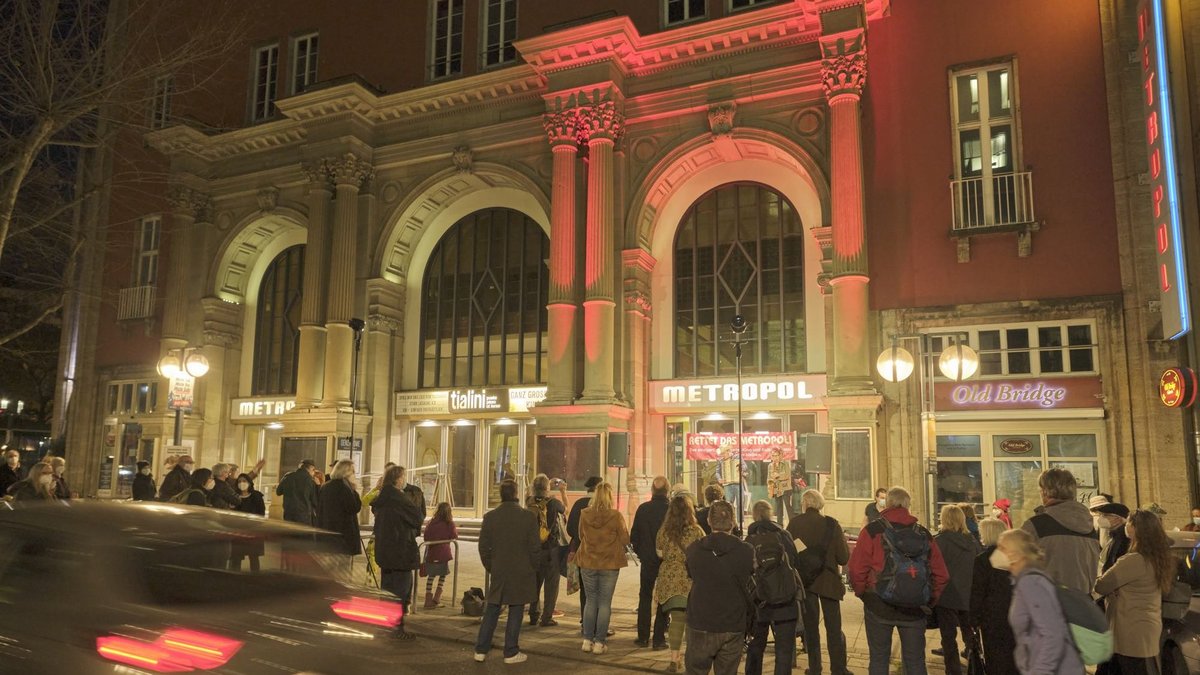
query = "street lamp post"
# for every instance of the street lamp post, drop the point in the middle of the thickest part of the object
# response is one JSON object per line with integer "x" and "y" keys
{"x": 356, "y": 325}
{"x": 738, "y": 326}
{"x": 186, "y": 362}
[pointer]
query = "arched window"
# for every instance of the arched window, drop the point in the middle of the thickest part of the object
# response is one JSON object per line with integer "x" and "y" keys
{"x": 739, "y": 250}
{"x": 277, "y": 324}
{"x": 483, "y": 308}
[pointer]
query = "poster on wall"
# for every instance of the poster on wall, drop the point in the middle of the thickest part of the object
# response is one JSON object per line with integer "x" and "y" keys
{"x": 755, "y": 447}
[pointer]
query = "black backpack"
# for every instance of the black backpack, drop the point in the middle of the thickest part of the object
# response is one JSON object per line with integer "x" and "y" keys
{"x": 473, "y": 602}
{"x": 775, "y": 581}
{"x": 812, "y": 561}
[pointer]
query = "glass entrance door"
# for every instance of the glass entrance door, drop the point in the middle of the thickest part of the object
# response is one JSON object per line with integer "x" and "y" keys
{"x": 460, "y": 465}
{"x": 505, "y": 459}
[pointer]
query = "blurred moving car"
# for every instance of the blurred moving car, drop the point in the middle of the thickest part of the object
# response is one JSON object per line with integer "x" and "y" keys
{"x": 1181, "y": 610}
{"x": 104, "y": 587}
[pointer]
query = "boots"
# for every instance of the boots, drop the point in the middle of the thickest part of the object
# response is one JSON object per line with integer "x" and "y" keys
{"x": 431, "y": 601}
{"x": 437, "y": 598}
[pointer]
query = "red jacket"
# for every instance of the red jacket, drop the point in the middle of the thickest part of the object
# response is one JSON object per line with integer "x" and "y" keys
{"x": 866, "y": 563}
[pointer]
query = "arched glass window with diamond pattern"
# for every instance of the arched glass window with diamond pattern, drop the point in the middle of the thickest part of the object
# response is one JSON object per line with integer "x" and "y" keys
{"x": 277, "y": 325}
{"x": 739, "y": 250}
{"x": 483, "y": 308}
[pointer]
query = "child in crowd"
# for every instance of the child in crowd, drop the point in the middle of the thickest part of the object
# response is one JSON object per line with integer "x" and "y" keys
{"x": 438, "y": 556}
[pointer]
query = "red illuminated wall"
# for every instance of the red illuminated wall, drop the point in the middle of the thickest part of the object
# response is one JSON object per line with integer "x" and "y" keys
{"x": 909, "y": 156}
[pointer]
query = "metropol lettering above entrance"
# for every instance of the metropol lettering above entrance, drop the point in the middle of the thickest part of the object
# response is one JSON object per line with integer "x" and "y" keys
{"x": 781, "y": 391}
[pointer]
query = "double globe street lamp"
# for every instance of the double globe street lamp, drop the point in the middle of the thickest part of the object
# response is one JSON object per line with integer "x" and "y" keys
{"x": 176, "y": 364}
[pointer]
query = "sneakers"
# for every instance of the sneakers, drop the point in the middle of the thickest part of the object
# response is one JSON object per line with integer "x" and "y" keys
{"x": 587, "y": 645}
{"x": 599, "y": 648}
{"x": 480, "y": 657}
{"x": 642, "y": 642}
{"x": 519, "y": 657}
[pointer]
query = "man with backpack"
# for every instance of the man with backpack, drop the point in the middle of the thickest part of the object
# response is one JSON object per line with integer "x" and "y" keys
{"x": 720, "y": 566}
{"x": 777, "y": 591}
{"x": 646, "y": 523}
{"x": 551, "y": 518}
{"x": 825, "y": 550}
{"x": 899, "y": 574}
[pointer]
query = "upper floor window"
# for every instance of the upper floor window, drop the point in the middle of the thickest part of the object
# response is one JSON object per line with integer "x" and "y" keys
{"x": 277, "y": 324}
{"x": 447, "y": 44}
{"x": 304, "y": 62}
{"x": 483, "y": 306}
{"x": 988, "y": 190}
{"x": 132, "y": 397}
{"x": 680, "y": 11}
{"x": 266, "y": 73}
{"x": 1033, "y": 349}
{"x": 149, "y": 231}
{"x": 739, "y": 250}
{"x": 735, "y": 5}
{"x": 500, "y": 29}
{"x": 160, "y": 101}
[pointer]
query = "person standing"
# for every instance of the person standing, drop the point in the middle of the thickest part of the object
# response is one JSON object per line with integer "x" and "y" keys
{"x": 871, "y": 566}
{"x": 573, "y": 532}
{"x": 1111, "y": 518}
{"x": 958, "y": 549}
{"x": 603, "y": 537}
{"x": 646, "y": 523}
{"x": 299, "y": 491}
{"x": 549, "y": 512}
{"x": 509, "y": 547}
{"x": 12, "y": 472}
{"x": 720, "y": 566}
{"x": 679, "y": 530}
{"x": 1193, "y": 525}
{"x": 971, "y": 523}
{"x": 1043, "y": 638}
{"x": 337, "y": 511}
{"x": 398, "y": 520}
{"x": 61, "y": 489}
{"x": 249, "y": 501}
{"x": 991, "y": 596}
{"x": 764, "y": 534}
{"x": 712, "y": 495}
{"x": 871, "y": 513}
{"x": 1133, "y": 589}
{"x": 224, "y": 494}
{"x": 1063, "y": 528}
{"x": 1000, "y": 509}
{"x": 177, "y": 479}
{"x": 199, "y": 490}
{"x": 822, "y": 536}
{"x": 144, "y": 488}
{"x": 441, "y": 528}
{"x": 38, "y": 485}
{"x": 779, "y": 479}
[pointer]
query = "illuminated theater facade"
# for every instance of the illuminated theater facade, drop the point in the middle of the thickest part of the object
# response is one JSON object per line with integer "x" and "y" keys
{"x": 547, "y": 257}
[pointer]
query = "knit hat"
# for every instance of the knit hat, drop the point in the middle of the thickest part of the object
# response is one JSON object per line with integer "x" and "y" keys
{"x": 142, "y": 464}
{"x": 1002, "y": 504}
{"x": 1097, "y": 501}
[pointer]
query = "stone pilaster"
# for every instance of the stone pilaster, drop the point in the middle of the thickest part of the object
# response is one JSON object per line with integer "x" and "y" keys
{"x": 563, "y": 307}
{"x": 311, "y": 363}
{"x": 188, "y": 208}
{"x": 349, "y": 172}
{"x": 637, "y": 265}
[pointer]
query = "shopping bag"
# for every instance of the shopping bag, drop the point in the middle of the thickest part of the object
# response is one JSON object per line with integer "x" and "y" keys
{"x": 572, "y": 575}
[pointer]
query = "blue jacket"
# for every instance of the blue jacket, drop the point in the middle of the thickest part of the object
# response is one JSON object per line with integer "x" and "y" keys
{"x": 1044, "y": 645}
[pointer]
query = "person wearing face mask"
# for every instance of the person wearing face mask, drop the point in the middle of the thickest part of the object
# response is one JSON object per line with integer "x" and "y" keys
{"x": 144, "y": 488}
{"x": 1111, "y": 518}
{"x": 1000, "y": 509}
{"x": 37, "y": 486}
{"x": 872, "y": 511}
{"x": 11, "y": 472}
{"x": 225, "y": 495}
{"x": 199, "y": 490}
{"x": 177, "y": 479}
{"x": 338, "y": 504}
{"x": 991, "y": 596}
{"x": 1193, "y": 524}
{"x": 398, "y": 520}
{"x": 61, "y": 489}
{"x": 249, "y": 501}
{"x": 1043, "y": 638}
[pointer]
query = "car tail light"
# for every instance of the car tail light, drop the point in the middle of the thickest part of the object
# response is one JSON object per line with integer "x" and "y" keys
{"x": 366, "y": 610}
{"x": 176, "y": 650}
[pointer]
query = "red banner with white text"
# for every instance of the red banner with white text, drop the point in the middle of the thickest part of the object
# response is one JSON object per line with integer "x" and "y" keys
{"x": 755, "y": 447}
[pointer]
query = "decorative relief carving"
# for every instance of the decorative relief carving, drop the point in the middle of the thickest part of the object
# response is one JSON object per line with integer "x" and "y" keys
{"x": 638, "y": 300}
{"x": 602, "y": 121}
{"x": 808, "y": 122}
{"x": 463, "y": 159}
{"x": 561, "y": 127}
{"x": 720, "y": 117}
{"x": 221, "y": 338}
{"x": 644, "y": 149}
{"x": 844, "y": 64}
{"x": 349, "y": 169}
{"x": 384, "y": 322}
{"x": 190, "y": 202}
{"x": 268, "y": 199}
{"x": 390, "y": 192}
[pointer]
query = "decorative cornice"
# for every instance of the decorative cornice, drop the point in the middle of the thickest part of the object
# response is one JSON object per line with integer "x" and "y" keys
{"x": 220, "y": 338}
{"x": 349, "y": 169}
{"x": 384, "y": 322}
{"x": 189, "y": 202}
{"x": 463, "y": 159}
{"x": 638, "y": 259}
{"x": 720, "y": 117}
{"x": 844, "y": 63}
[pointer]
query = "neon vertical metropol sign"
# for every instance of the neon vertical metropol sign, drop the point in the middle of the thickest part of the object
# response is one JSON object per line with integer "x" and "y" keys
{"x": 1164, "y": 181}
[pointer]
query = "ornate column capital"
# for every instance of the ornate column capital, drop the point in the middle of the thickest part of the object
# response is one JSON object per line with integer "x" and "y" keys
{"x": 384, "y": 322}
{"x": 316, "y": 174}
{"x": 189, "y": 202}
{"x": 602, "y": 121}
{"x": 720, "y": 117}
{"x": 562, "y": 128}
{"x": 844, "y": 64}
{"x": 349, "y": 169}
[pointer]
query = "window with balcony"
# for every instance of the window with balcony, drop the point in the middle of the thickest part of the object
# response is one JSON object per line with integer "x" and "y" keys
{"x": 1030, "y": 349}
{"x": 264, "y": 91}
{"x": 160, "y": 102}
{"x": 500, "y": 29}
{"x": 447, "y": 38}
{"x": 137, "y": 301}
{"x": 682, "y": 11}
{"x": 304, "y": 62}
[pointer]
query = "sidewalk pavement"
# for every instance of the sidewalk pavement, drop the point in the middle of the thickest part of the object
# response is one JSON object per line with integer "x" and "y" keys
{"x": 563, "y": 641}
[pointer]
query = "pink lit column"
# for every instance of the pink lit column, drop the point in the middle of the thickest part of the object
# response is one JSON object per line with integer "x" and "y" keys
{"x": 599, "y": 306}
{"x": 311, "y": 362}
{"x": 563, "y": 305}
{"x": 844, "y": 74}
{"x": 348, "y": 172}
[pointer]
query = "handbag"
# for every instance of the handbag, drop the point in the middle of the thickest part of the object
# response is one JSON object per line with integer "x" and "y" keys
{"x": 572, "y": 575}
{"x": 975, "y": 663}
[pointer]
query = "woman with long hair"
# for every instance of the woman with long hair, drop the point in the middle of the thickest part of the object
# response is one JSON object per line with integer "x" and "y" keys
{"x": 1044, "y": 643}
{"x": 958, "y": 549}
{"x": 38, "y": 485}
{"x": 679, "y": 530}
{"x": 603, "y": 537}
{"x": 1134, "y": 588}
{"x": 991, "y": 596}
{"x": 438, "y": 556}
{"x": 338, "y": 505}
{"x": 397, "y": 523}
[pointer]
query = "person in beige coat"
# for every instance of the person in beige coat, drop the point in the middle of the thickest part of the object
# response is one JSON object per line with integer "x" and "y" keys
{"x": 1134, "y": 588}
{"x": 603, "y": 537}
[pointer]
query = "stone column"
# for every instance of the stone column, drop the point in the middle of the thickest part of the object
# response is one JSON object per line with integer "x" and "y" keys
{"x": 563, "y": 306}
{"x": 311, "y": 362}
{"x": 188, "y": 206}
{"x": 348, "y": 172}
{"x": 844, "y": 71}
{"x": 603, "y": 123}
{"x": 638, "y": 264}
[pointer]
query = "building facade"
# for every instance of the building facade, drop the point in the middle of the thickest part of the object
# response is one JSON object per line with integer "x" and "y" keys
{"x": 517, "y": 244}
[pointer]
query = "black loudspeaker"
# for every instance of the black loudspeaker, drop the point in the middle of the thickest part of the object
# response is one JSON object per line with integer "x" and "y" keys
{"x": 618, "y": 449}
{"x": 818, "y": 453}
